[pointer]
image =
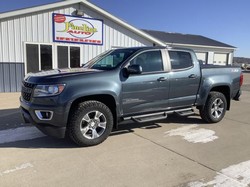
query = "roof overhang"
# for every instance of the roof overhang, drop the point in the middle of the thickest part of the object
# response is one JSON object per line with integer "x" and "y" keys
{"x": 200, "y": 46}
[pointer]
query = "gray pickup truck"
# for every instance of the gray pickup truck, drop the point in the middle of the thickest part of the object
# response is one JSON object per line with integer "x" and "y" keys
{"x": 140, "y": 84}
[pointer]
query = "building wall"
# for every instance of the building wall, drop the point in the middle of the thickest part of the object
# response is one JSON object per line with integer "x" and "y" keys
{"x": 11, "y": 76}
{"x": 114, "y": 35}
{"x": 15, "y": 32}
{"x": 37, "y": 27}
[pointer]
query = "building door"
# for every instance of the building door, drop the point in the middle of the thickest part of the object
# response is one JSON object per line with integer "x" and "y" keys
{"x": 220, "y": 59}
{"x": 68, "y": 56}
{"x": 202, "y": 57}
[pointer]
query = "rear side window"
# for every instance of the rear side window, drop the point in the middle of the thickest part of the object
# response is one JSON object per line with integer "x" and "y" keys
{"x": 180, "y": 60}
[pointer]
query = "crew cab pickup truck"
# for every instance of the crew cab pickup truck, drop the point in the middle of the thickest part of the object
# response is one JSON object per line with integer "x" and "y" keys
{"x": 140, "y": 84}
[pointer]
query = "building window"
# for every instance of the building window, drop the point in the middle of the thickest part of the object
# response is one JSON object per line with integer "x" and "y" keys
{"x": 38, "y": 57}
{"x": 62, "y": 56}
{"x": 180, "y": 60}
{"x": 74, "y": 57}
{"x": 46, "y": 57}
{"x": 32, "y": 58}
{"x": 41, "y": 56}
{"x": 68, "y": 56}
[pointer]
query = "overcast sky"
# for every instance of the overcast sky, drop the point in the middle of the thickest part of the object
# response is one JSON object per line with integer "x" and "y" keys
{"x": 227, "y": 21}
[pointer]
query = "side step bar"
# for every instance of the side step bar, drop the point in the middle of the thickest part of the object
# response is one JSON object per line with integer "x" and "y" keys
{"x": 160, "y": 115}
{"x": 149, "y": 117}
{"x": 185, "y": 112}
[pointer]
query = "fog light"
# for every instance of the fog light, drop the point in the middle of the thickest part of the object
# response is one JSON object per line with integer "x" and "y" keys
{"x": 44, "y": 114}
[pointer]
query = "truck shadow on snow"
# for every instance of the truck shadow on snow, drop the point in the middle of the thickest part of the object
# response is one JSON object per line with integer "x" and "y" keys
{"x": 50, "y": 142}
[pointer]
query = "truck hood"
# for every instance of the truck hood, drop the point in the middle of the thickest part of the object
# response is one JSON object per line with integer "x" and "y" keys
{"x": 61, "y": 72}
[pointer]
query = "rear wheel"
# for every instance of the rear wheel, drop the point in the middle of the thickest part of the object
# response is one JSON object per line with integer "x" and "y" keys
{"x": 90, "y": 123}
{"x": 215, "y": 108}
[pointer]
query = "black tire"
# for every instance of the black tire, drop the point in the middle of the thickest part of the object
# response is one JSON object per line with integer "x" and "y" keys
{"x": 90, "y": 123}
{"x": 215, "y": 107}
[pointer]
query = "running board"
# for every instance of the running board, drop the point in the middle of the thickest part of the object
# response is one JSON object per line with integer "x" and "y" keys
{"x": 185, "y": 112}
{"x": 148, "y": 117}
{"x": 160, "y": 115}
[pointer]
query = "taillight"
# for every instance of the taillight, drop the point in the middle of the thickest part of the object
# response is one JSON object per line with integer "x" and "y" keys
{"x": 241, "y": 79}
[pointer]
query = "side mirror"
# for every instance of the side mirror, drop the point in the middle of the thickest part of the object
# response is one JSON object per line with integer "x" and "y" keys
{"x": 134, "y": 69}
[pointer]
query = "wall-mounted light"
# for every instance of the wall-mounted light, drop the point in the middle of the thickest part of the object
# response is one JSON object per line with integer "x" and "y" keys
{"x": 79, "y": 12}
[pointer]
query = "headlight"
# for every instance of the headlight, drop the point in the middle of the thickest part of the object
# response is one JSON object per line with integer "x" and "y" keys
{"x": 48, "y": 90}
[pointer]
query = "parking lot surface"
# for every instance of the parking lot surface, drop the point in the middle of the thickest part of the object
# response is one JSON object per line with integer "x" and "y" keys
{"x": 179, "y": 151}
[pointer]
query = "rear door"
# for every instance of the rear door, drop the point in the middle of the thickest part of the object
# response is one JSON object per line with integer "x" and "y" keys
{"x": 184, "y": 78}
{"x": 146, "y": 92}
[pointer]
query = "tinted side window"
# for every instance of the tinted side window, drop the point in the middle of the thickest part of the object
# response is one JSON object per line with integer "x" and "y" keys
{"x": 180, "y": 59}
{"x": 112, "y": 59}
{"x": 150, "y": 61}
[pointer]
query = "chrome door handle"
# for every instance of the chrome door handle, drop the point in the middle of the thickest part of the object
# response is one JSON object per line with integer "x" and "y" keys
{"x": 192, "y": 76}
{"x": 161, "y": 79}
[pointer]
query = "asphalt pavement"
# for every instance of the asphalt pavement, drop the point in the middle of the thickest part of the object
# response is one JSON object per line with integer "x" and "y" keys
{"x": 179, "y": 151}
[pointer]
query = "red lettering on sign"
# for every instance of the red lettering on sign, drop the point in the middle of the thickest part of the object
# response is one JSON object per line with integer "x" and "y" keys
{"x": 59, "y": 18}
{"x": 78, "y": 40}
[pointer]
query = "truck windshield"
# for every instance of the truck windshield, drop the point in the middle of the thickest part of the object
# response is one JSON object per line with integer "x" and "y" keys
{"x": 110, "y": 59}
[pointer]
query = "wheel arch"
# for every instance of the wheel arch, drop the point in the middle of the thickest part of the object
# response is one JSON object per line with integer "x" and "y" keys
{"x": 204, "y": 93}
{"x": 225, "y": 90}
{"x": 106, "y": 99}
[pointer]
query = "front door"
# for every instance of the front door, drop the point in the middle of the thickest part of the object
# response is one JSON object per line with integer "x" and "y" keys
{"x": 148, "y": 91}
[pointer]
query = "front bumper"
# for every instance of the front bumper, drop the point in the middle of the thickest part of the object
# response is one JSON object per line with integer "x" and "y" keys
{"x": 55, "y": 127}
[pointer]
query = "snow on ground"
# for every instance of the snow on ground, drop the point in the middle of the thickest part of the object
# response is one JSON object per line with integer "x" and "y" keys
{"x": 17, "y": 168}
{"x": 193, "y": 134}
{"x": 235, "y": 176}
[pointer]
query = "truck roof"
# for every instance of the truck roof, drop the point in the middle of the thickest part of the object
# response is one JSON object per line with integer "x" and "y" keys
{"x": 157, "y": 47}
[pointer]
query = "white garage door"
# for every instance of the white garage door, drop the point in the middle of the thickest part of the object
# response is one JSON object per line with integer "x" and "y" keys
{"x": 202, "y": 57}
{"x": 220, "y": 59}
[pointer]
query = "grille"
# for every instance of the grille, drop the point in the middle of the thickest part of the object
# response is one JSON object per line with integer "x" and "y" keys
{"x": 27, "y": 89}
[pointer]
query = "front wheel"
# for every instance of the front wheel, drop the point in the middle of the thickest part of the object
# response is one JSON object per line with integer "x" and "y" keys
{"x": 90, "y": 123}
{"x": 215, "y": 108}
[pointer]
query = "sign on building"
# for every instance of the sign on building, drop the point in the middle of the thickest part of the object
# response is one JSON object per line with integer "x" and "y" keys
{"x": 74, "y": 29}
